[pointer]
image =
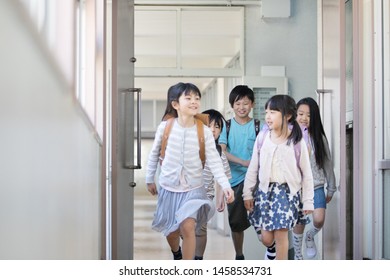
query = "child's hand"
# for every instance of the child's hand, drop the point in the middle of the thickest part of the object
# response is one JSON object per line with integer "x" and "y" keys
{"x": 307, "y": 212}
{"x": 248, "y": 205}
{"x": 219, "y": 201}
{"x": 152, "y": 188}
{"x": 220, "y": 205}
{"x": 328, "y": 198}
{"x": 245, "y": 163}
{"x": 229, "y": 195}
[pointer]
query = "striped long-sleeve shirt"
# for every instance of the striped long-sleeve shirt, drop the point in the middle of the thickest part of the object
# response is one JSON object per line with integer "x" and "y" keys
{"x": 209, "y": 178}
{"x": 181, "y": 169}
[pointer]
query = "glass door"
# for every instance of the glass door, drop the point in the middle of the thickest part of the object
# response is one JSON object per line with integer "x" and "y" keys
{"x": 120, "y": 203}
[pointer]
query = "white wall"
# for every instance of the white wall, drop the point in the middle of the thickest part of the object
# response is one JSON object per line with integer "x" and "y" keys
{"x": 50, "y": 159}
{"x": 289, "y": 42}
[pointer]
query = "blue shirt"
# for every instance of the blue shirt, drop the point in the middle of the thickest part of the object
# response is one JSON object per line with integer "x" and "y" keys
{"x": 240, "y": 144}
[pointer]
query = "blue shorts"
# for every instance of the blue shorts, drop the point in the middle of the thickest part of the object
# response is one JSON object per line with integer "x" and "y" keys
{"x": 319, "y": 202}
{"x": 319, "y": 198}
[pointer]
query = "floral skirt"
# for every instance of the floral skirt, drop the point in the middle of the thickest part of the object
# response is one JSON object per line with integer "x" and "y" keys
{"x": 174, "y": 207}
{"x": 275, "y": 209}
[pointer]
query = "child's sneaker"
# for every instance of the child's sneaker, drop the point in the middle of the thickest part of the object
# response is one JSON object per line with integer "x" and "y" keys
{"x": 298, "y": 257}
{"x": 311, "y": 250}
{"x": 177, "y": 255}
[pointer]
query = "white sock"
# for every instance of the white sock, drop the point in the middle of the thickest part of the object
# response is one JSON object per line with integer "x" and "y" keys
{"x": 297, "y": 243}
{"x": 312, "y": 232}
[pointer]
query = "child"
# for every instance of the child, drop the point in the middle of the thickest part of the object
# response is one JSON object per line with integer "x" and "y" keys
{"x": 321, "y": 164}
{"x": 182, "y": 205}
{"x": 216, "y": 124}
{"x": 281, "y": 178}
{"x": 238, "y": 147}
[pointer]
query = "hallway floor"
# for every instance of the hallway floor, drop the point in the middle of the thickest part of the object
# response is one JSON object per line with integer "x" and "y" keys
{"x": 152, "y": 245}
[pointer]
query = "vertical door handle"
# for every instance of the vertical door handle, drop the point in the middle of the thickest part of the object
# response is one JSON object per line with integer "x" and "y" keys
{"x": 126, "y": 159}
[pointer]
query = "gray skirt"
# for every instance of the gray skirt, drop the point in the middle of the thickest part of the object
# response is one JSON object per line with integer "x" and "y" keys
{"x": 174, "y": 207}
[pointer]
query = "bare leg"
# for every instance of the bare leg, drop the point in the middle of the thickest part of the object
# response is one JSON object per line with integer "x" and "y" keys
{"x": 174, "y": 240}
{"x": 187, "y": 229}
{"x": 281, "y": 239}
{"x": 319, "y": 217}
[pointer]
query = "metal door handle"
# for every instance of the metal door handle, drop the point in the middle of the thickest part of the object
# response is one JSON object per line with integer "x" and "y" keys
{"x": 321, "y": 95}
{"x": 126, "y": 160}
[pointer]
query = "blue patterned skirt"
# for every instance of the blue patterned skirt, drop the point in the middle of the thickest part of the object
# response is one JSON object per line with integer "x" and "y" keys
{"x": 275, "y": 209}
{"x": 174, "y": 207}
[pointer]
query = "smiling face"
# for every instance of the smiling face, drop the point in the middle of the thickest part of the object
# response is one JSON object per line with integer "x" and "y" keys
{"x": 273, "y": 119}
{"x": 188, "y": 104}
{"x": 242, "y": 107}
{"x": 303, "y": 117}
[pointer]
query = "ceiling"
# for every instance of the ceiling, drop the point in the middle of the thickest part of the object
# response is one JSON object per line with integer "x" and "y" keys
{"x": 184, "y": 43}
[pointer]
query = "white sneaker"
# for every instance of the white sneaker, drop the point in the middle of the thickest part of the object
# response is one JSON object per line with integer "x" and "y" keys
{"x": 311, "y": 250}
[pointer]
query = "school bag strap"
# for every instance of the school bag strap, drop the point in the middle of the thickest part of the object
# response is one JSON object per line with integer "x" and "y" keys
{"x": 165, "y": 137}
{"x": 229, "y": 121}
{"x": 200, "y": 119}
{"x": 257, "y": 126}
{"x": 260, "y": 140}
{"x": 201, "y": 140}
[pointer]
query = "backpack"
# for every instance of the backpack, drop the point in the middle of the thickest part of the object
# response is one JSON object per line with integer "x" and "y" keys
{"x": 297, "y": 147}
{"x": 228, "y": 122}
{"x": 200, "y": 120}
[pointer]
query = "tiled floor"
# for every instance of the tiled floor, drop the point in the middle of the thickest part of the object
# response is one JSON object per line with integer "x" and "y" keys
{"x": 152, "y": 245}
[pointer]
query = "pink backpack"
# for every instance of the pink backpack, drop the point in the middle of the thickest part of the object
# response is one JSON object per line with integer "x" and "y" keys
{"x": 297, "y": 147}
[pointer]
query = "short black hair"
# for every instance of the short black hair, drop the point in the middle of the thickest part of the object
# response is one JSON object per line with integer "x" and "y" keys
{"x": 239, "y": 92}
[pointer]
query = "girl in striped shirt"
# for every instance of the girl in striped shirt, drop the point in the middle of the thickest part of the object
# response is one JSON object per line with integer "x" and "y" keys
{"x": 182, "y": 205}
{"x": 217, "y": 121}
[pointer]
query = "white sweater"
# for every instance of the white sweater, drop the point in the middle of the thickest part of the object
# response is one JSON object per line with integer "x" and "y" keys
{"x": 181, "y": 169}
{"x": 260, "y": 168}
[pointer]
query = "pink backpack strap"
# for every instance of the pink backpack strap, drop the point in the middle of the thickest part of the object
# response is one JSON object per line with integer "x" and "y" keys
{"x": 260, "y": 140}
{"x": 297, "y": 150}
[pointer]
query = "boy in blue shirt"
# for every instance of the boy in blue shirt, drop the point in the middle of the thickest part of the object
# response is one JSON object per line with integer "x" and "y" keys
{"x": 237, "y": 143}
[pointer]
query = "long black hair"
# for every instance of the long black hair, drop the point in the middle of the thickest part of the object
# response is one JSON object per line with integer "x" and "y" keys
{"x": 285, "y": 104}
{"x": 316, "y": 130}
{"x": 218, "y": 118}
{"x": 174, "y": 93}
